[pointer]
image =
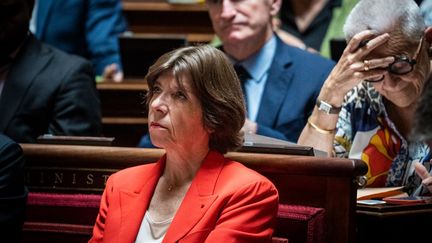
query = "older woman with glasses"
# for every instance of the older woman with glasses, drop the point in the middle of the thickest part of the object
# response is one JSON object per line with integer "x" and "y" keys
{"x": 365, "y": 108}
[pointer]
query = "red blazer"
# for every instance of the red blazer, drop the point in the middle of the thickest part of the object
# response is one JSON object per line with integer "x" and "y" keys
{"x": 226, "y": 202}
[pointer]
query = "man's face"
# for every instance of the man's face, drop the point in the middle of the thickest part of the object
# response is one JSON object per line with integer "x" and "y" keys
{"x": 14, "y": 20}
{"x": 236, "y": 21}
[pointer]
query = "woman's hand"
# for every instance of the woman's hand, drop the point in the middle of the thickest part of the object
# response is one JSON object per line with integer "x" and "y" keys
{"x": 424, "y": 175}
{"x": 355, "y": 66}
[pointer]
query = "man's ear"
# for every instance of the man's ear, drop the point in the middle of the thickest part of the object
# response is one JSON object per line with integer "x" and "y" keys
{"x": 428, "y": 36}
{"x": 275, "y": 6}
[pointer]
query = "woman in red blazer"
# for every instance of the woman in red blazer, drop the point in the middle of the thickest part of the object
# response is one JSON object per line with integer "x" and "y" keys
{"x": 192, "y": 194}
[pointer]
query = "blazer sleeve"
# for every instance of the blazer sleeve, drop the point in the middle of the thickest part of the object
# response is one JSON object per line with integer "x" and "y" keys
{"x": 99, "y": 227}
{"x": 76, "y": 108}
{"x": 104, "y": 23}
{"x": 248, "y": 216}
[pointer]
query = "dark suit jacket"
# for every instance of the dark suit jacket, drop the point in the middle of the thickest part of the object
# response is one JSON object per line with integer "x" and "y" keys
{"x": 87, "y": 28}
{"x": 48, "y": 91}
{"x": 226, "y": 202}
{"x": 13, "y": 193}
{"x": 293, "y": 84}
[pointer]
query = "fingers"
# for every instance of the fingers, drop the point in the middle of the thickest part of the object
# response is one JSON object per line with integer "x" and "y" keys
{"x": 371, "y": 75}
{"x": 422, "y": 171}
{"x": 362, "y": 44}
{"x": 377, "y": 63}
{"x": 428, "y": 183}
{"x": 373, "y": 69}
{"x": 354, "y": 43}
{"x": 368, "y": 65}
{"x": 109, "y": 71}
{"x": 112, "y": 72}
{"x": 370, "y": 45}
{"x": 249, "y": 127}
{"x": 424, "y": 175}
{"x": 118, "y": 76}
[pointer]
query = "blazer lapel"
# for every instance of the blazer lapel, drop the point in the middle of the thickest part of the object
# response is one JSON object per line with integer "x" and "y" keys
{"x": 42, "y": 15}
{"x": 135, "y": 203}
{"x": 278, "y": 81}
{"x": 29, "y": 62}
{"x": 198, "y": 199}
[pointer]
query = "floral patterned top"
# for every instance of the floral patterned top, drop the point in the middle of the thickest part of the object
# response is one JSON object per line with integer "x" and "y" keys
{"x": 364, "y": 131}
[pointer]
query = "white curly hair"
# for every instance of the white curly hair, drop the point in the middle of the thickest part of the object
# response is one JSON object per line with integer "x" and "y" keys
{"x": 386, "y": 16}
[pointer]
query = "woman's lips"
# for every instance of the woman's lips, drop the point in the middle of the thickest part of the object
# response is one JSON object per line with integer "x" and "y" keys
{"x": 156, "y": 125}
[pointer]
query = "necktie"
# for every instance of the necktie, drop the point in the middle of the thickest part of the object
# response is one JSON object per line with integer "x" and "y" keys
{"x": 243, "y": 75}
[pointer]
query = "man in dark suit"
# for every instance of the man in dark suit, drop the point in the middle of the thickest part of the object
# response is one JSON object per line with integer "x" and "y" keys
{"x": 282, "y": 82}
{"x": 13, "y": 193}
{"x": 42, "y": 90}
{"x": 86, "y": 28}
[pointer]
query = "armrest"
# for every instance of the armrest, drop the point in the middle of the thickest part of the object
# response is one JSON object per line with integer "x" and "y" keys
{"x": 300, "y": 223}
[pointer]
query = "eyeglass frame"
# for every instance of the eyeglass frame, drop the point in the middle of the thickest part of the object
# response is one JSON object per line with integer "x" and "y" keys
{"x": 401, "y": 58}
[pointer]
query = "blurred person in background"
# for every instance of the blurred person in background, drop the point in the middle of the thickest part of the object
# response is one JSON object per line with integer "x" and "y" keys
{"x": 86, "y": 28}
{"x": 42, "y": 90}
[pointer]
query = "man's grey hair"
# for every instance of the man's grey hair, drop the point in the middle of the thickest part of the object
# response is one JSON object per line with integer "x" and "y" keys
{"x": 386, "y": 16}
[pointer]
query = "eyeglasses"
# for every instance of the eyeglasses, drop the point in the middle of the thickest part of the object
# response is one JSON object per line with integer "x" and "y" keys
{"x": 401, "y": 65}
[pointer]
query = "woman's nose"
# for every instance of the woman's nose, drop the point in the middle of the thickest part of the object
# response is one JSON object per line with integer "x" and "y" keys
{"x": 159, "y": 104}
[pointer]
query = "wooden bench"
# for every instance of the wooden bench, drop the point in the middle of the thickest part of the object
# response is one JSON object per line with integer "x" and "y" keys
{"x": 124, "y": 116}
{"x": 317, "y": 195}
{"x": 161, "y": 17}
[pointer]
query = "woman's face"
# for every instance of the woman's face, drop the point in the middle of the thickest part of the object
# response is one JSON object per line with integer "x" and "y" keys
{"x": 402, "y": 90}
{"x": 175, "y": 114}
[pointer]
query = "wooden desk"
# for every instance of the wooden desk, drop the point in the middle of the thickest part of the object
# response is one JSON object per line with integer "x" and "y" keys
{"x": 327, "y": 183}
{"x": 124, "y": 116}
{"x": 394, "y": 223}
{"x": 161, "y": 17}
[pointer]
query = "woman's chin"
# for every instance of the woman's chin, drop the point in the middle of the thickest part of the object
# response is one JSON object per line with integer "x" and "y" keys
{"x": 157, "y": 141}
{"x": 402, "y": 102}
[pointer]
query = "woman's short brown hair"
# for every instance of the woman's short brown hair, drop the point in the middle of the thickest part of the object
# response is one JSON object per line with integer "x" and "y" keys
{"x": 216, "y": 86}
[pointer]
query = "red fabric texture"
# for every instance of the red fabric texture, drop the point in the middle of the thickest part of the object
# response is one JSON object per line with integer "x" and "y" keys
{"x": 65, "y": 200}
{"x": 295, "y": 218}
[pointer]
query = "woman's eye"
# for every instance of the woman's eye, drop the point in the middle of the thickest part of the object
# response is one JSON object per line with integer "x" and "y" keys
{"x": 156, "y": 90}
{"x": 180, "y": 95}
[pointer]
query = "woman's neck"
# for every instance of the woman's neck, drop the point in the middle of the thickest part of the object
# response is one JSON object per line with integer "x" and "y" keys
{"x": 402, "y": 117}
{"x": 182, "y": 165}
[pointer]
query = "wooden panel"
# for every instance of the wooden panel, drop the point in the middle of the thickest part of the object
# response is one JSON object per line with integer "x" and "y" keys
{"x": 162, "y": 17}
{"x": 125, "y": 99}
{"x": 124, "y": 115}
